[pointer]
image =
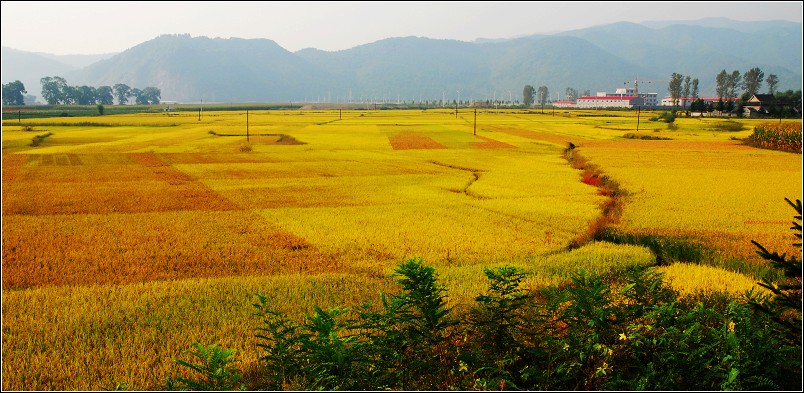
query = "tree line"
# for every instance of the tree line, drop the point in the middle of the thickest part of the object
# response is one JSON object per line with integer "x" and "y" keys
{"x": 728, "y": 87}
{"x": 56, "y": 91}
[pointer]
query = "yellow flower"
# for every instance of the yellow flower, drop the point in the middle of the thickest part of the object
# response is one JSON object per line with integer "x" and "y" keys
{"x": 623, "y": 336}
{"x": 462, "y": 366}
{"x": 731, "y": 326}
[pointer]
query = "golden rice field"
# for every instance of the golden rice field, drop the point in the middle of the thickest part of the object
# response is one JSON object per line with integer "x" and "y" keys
{"x": 127, "y": 238}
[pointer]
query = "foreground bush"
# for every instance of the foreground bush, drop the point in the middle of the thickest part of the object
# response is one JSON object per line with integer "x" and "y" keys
{"x": 629, "y": 332}
{"x": 591, "y": 334}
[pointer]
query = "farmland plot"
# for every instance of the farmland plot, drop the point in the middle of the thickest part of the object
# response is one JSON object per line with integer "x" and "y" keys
{"x": 126, "y": 239}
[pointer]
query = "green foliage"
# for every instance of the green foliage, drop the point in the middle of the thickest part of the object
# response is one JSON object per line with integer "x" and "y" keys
{"x": 410, "y": 337}
{"x": 528, "y": 95}
{"x": 334, "y": 357}
{"x": 665, "y": 117}
{"x": 100, "y": 109}
{"x": 280, "y": 340}
{"x": 728, "y": 125}
{"x": 422, "y": 305}
{"x": 215, "y": 370}
{"x": 785, "y": 304}
{"x": 398, "y": 347}
{"x": 666, "y": 249}
{"x": 632, "y": 135}
{"x": 500, "y": 310}
{"x": 628, "y": 331}
{"x": 498, "y": 319}
{"x": 13, "y": 93}
{"x": 37, "y": 140}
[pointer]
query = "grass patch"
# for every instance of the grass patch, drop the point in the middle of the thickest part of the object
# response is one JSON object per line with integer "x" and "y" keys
{"x": 37, "y": 140}
{"x": 729, "y": 126}
{"x": 667, "y": 249}
{"x": 632, "y": 135}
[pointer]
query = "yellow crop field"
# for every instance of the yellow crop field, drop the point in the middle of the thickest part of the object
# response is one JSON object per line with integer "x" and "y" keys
{"x": 126, "y": 238}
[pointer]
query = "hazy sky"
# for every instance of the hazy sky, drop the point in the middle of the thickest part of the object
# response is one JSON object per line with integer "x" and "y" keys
{"x": 66, "y": 27}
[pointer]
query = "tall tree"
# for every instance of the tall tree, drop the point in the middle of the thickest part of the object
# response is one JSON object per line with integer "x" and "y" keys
{"x": 543, "y": 94}
{"x": 86, "y": 95}
{"x": 104, "y": 95}
{"x": 139, "y": 98}
{"x": 772, "y": 82}
{"x": 735, "y": 84}
{"x": 686, "y": 91}
{"x": 122, "y": 92}
{"x": 722, "y": 85}
{"x": 13, "y": 93}
{"x": 695, "y": 88}
{"x": 527, "y": 95}
{"x": 752, "y": 81}
{"x": 571, "y": 94}
{"x": 151, "y": 95}
{"x": 674, "y": 87}
{"x": 54, "y": 90}
{"x": 70, "y": 95}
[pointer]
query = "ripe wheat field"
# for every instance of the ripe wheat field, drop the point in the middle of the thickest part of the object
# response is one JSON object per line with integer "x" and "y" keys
{"x": 127, "y": 238}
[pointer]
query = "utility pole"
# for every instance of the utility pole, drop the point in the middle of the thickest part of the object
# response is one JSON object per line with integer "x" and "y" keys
{"x": 475, "y": 132}
{"x": 638, "y": 110}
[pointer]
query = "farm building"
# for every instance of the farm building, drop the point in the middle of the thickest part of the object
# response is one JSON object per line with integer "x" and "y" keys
{"x": 684, "y": 102}
{"x": 609, "y": 101}
{"x": 621, "y": 98}
{"x": 759, "y": 105}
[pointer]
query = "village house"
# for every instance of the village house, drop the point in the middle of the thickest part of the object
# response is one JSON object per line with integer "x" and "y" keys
{"x": 759, "y": 105}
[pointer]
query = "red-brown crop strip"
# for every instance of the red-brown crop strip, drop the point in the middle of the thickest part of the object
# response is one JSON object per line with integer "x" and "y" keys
{"x": 535, "y": 135}
{"x": 491, "y": 144}
{"x": 136, "y": 183}
{"x": 131, "y": 248}
{"x": 413, "y": 140}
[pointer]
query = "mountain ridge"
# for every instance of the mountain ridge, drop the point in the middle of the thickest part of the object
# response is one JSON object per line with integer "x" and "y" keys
{"x": 598, "y": 58}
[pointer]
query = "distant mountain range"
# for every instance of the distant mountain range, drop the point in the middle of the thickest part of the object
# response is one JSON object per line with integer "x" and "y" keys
{"x": 600, "y": 58}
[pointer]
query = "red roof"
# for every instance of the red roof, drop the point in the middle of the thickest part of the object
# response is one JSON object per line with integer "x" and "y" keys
{"x": 702, "y": 98}
{"x": 623, "y": 98}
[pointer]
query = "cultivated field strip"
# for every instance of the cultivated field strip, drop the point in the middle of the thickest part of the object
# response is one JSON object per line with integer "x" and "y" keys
{"x": 128, "y": 238}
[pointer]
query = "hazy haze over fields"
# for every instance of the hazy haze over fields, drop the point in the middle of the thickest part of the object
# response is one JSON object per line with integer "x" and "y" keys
{"x": 95, "y": 28}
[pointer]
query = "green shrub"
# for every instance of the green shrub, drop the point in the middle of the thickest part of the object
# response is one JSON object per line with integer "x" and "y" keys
{"x": 785, "y": 303}
{"x": 215, "y": 370}
{"x": 632, "y": 135}
{"x": 627, "y": 331}
{"x": 665, "y": 117}
{"x": 37, "y": 140}
{"x": 729, "y": 125}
